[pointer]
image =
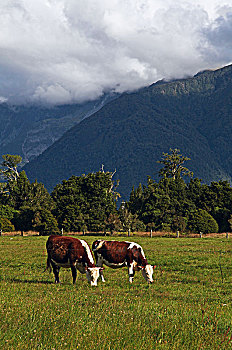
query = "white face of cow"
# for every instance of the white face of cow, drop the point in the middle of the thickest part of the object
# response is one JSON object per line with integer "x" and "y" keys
{"x": 147, "y": 273}
{"x": 92, "y": 274}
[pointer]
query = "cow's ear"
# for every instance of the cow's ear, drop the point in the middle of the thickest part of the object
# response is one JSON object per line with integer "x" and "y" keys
{"x": 154, "y": 266}
{"x": 102, "y": 268}
{"x": 140, "y": 267}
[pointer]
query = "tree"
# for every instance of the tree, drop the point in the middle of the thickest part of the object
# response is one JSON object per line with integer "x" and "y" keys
{"x": 129, "y": 221}
{"x": 45, "y": 223}
{"x": 19, "y": 191}
{"x": 32, "y": 205}
{"x": 173, "y": 165}
{"x": 10, "y": 164}
{"x": 85, "y": 201}
{"x": 113, "y": 223}
{"x": 23, "y": 193}
{"x": 36, "y": 219}
{"x": 222, "y": 216}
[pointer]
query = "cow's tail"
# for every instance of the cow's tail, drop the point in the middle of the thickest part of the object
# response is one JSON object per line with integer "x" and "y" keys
{"x": 97, "y": 245}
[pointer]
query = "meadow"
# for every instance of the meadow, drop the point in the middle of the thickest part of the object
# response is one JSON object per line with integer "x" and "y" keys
{"x": 189, "y": 305}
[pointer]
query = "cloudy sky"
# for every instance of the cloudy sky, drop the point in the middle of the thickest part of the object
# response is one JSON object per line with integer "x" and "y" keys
{"x": 64, "y": 51}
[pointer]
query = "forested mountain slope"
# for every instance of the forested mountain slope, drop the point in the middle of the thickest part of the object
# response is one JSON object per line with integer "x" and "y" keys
{"x": 27, "y": 130}
{"x": 130, "y": 133}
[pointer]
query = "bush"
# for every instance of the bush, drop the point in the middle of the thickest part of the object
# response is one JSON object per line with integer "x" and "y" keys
{"x": 202, "y": 221}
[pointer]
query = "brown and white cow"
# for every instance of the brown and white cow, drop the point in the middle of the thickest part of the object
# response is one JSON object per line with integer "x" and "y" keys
{"x": 117, "y": 254}
{"x": 74, "y": 253}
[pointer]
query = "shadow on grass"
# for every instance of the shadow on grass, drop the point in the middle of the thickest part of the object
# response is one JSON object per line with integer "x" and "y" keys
{"x": 18, "y": 280}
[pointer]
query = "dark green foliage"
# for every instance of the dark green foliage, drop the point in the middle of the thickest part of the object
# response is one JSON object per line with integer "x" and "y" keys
{"x": 215, "y": 198}
{"x": 85, "y": 202}
{"x": 33, "y": 204}
{"x": 28, "y": 205}
{"x": 24, "y": 219}
{"x": 173, "y": 205}
{"x": 7, "y": 211}
{"x": 23, "y": 193}
{"x": 201, "y": 221}
{"x": 6, "y": 225}
{"x": 88, "y": 203}
{"x": 45, "y": 223}
{"x": 161, "y": 206}
{"x": 19, "y": 191}
{"x": 40, "y": 220}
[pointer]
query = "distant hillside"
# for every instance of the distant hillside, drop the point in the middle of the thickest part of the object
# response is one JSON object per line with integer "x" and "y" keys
{"x": 28, "y": 130}
{"x": 130, "y": 133}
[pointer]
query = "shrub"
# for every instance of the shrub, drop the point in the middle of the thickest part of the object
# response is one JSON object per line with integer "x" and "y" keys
{"x": 202, "y": 221}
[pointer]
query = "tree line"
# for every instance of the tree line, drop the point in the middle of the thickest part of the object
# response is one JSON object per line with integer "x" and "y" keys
{"x": 89, "y": 202}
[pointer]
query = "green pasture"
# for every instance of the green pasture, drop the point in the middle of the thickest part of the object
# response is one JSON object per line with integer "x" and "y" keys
{"x": 189, "y": 306}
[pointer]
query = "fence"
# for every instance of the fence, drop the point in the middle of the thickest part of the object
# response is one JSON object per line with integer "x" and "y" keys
{"x": 151, "y": 234}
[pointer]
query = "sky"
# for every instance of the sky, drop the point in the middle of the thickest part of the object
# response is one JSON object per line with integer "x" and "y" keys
{"x": 68, "y": 51}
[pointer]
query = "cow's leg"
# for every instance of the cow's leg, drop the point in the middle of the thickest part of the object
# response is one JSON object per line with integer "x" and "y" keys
{"x": 131, "y": 272}
{"x": 101, "y": 274}
{"x": 74, "y": 273}
{"x": 100, "y": 264}
{"x": 56, "y": 270}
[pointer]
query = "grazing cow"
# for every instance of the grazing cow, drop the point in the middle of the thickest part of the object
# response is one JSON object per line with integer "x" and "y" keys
{"x": 74, "y": 253}
{"x": 117, "y": 254}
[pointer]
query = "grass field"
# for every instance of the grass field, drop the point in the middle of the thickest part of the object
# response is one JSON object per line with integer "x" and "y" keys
{"x": 189, "y": 306}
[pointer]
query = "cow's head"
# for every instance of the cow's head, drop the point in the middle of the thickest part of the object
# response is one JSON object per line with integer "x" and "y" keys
{"x": 92, "y": 274}
{"x": 147, "y": 272}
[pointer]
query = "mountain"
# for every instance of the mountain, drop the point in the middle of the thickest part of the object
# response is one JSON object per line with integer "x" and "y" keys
{"x": 27, "y": 130}
{"x": 130, "y": 134}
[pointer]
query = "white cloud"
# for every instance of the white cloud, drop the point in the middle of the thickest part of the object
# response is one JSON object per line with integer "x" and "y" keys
{"x": 3, "y": 99}
{"x": 61, "y": 51}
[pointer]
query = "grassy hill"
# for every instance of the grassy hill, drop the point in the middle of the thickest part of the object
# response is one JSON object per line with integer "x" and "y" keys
{"x": 131, "y": 132}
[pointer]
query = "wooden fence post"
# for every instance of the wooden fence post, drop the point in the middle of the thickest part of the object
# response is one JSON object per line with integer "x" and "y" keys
{"x": 227, "y": 235}
{"x": 177, "y": 234}
{"x": 151, "y": 233}
{"x": 200, "y": 234}
{"x": 129, "y": 232}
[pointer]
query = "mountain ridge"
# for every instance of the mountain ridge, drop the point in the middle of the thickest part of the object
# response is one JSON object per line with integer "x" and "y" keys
{"x": 28, "y": 130}
{"x": 131, "y": 132}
